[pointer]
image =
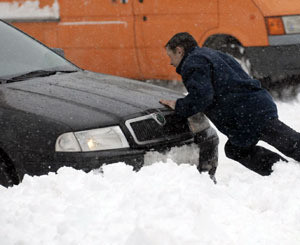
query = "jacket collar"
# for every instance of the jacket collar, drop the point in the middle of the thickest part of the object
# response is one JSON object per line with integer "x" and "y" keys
{"x": 187, "y": 53}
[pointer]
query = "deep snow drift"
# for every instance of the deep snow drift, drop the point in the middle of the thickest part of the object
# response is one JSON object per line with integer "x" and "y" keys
{"x": 163, "y": 204}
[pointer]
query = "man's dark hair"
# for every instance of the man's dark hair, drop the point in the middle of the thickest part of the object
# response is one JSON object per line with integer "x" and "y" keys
{"x": 182, "y": 39}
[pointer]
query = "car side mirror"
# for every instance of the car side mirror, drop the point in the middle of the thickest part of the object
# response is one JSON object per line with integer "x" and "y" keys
{"x": 59, "y": 51}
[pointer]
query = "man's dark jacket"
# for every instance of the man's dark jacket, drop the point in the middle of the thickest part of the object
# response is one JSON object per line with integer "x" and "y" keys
{"x": 219, "y": 87}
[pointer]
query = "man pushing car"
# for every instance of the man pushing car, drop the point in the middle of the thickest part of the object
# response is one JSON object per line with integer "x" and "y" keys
{"x": 233, "y": 101}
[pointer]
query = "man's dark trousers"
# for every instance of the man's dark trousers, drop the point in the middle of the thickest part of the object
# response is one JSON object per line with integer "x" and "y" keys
{"x": 260, "y": 159}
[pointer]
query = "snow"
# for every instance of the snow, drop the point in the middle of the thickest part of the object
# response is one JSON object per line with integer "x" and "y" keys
{"x": 28, "y": 10}
{"x": 164, "y": 203}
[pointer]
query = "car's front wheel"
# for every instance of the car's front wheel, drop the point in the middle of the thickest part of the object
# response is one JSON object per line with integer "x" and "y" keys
{"x": 232, "y": 46}
{"x": 7, "y": 177}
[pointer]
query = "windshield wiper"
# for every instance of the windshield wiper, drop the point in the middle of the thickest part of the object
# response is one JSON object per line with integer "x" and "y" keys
{"x": 67, "y": 71}
{"x": 38, "y": 73}
{"x": 2, "y": 80}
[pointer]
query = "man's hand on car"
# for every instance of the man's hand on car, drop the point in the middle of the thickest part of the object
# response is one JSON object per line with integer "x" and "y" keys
{"x": 169, "y": 103}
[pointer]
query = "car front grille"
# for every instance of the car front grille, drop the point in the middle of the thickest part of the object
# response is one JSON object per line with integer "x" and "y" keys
{"x": 157, "y": 127}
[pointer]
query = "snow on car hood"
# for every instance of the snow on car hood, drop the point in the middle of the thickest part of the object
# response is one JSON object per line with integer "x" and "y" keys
{"x": 83, "y": 99}
{"x": 278, "y": 7}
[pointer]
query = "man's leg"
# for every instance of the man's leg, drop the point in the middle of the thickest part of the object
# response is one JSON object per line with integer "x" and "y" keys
{"x": 283, "y": 138}
{"x": 256, "y": 158}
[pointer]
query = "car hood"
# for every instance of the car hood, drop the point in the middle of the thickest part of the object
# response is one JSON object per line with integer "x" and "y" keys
{"x": 84, "y": 100}
{"x": 278, "y": 7}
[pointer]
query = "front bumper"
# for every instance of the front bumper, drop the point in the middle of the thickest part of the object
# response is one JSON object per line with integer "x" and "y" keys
{"x": 85, "y": 161}
{"x": 276, "y": 62}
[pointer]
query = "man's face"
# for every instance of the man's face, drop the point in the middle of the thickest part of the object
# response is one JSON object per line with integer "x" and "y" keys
{"x": 175, "y": 55}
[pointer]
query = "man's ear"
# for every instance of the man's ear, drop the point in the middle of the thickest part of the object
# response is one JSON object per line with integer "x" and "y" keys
{"x": 180, "y": 50}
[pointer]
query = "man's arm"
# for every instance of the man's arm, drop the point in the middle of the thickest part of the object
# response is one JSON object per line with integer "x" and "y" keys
{"x": 198, "y": 82}
{"x": 200, "y": 96}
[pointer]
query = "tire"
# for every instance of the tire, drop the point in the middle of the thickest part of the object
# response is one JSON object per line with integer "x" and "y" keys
{"x": 8, "y": 176}
{"x": 230, "y": 45}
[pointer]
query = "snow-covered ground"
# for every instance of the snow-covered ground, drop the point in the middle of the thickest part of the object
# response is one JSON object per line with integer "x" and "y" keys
{"x": 163, "y": 204}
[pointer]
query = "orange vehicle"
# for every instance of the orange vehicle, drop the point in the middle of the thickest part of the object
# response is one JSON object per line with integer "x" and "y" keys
{"x": 127, "y": 37}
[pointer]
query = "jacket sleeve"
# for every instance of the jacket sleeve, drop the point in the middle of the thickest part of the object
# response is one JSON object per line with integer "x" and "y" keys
{"x": 197, "y": 79}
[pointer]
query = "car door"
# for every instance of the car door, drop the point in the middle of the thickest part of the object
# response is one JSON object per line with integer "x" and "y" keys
{"x": 99, "y": 35}
{"x": 158, "y": 20}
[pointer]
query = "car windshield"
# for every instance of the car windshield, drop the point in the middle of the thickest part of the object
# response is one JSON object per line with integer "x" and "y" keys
{"x": 20, "y": 54}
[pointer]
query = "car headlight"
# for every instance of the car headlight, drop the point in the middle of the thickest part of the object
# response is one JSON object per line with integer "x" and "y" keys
{"x": 291, "y": 24}
{"x": 92, "y": 140}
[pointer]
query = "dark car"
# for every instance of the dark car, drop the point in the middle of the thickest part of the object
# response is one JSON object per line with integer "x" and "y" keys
{"x": 54, "y": 114}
